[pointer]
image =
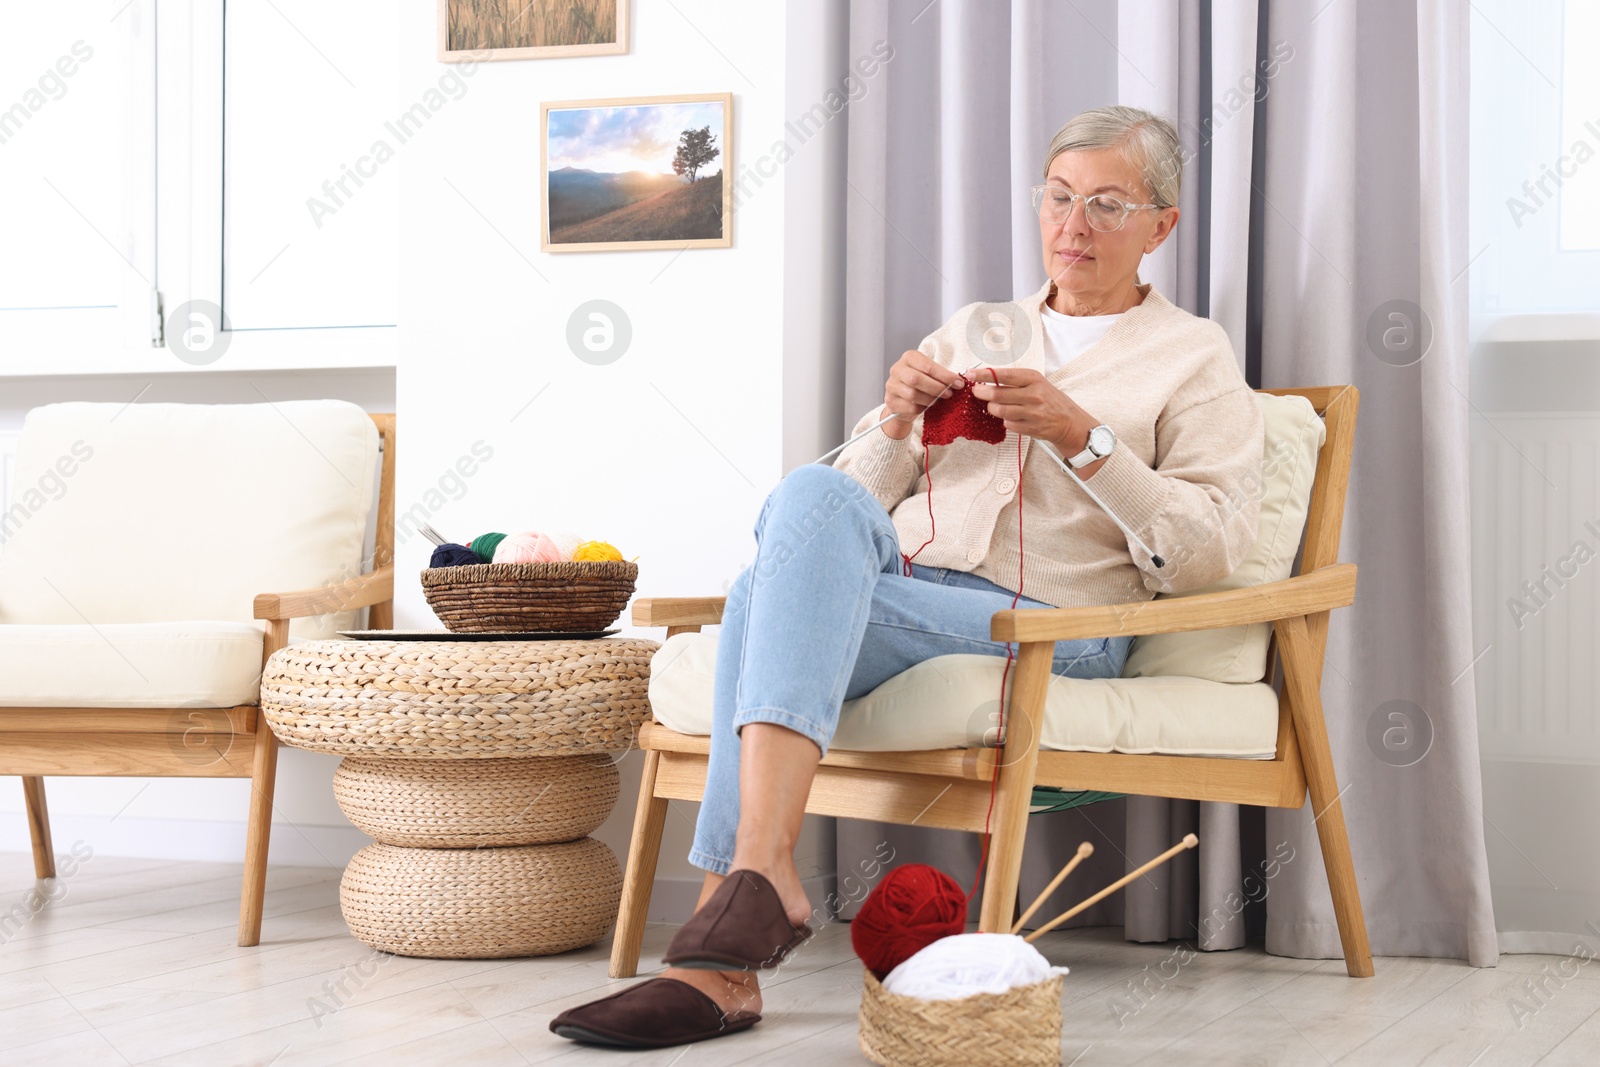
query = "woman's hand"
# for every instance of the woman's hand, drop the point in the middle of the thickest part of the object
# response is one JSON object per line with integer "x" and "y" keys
{"x": 1031, "y": 405}
{"x": 915, "y": 382}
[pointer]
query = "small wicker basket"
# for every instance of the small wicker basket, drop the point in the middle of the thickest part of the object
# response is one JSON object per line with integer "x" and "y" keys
{"x": 1018, "y": 1028}
{"x": 528, "y": 597}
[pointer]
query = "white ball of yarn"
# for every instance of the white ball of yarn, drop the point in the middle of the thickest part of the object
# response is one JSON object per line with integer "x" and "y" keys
{"x": 962, "y": 965}
{"x": 566, "y": 542}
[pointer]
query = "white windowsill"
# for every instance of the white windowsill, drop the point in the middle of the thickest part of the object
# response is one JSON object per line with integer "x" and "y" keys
{"x": 42, "y": 351}
{"x": 1568, "y": 326}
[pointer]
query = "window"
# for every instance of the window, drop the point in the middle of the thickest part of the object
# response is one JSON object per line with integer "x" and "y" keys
{"x": 76, "y": 249}
{"x": 1535, "y": 159}
{"x": 156, "y": 152}
{"x": 310, "y": 211}
{"x": 60, "y": 95}
{"x": 1580, "y": 130}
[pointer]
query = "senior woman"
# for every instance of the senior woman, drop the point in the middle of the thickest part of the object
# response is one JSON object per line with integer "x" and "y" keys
{"x": 1147, "y": 404}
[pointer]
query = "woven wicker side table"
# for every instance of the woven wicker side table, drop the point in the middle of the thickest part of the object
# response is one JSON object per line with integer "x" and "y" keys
{"x": 479, "y": 767}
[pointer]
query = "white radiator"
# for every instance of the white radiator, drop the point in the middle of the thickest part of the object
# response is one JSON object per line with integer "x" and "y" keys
{"x": 1536, "y": 583}
{"x": 8, "y": 454}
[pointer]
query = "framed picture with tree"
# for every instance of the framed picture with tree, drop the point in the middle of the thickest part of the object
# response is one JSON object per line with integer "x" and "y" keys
{"x": 637, "y": 173}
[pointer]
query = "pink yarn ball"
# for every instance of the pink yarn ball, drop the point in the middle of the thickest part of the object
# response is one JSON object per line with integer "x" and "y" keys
{"x": 530, "y": 547}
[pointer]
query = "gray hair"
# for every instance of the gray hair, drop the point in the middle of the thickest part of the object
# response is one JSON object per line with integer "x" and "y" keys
{"x": 1150, "y": 142}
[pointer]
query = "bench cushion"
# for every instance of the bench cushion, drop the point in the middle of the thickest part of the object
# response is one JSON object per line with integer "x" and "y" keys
{"x": 130, "y": 665}
{"x": 951, "y": 702}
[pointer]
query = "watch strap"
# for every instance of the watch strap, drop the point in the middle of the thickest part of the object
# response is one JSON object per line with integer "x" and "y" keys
{"x": 1082, "y": 459}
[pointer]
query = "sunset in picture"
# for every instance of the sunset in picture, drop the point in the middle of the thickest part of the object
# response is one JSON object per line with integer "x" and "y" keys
{"x": 635, "y": 173}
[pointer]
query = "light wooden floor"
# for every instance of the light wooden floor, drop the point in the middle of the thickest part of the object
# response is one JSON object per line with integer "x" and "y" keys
{"x": 135, "y": 963}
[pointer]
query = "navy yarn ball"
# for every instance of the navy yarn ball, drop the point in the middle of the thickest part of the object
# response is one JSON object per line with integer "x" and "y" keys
{"x": 448, "y": 555}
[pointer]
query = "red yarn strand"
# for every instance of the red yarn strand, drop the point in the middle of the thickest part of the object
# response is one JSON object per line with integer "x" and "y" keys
{"x": 959, "y": 415}
{"x": 928, "y": 474}
{"x": 983, "y": 850}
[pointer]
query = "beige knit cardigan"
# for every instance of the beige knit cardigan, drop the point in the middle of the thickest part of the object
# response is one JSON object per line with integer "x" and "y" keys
{"x": 1189, "y": 449}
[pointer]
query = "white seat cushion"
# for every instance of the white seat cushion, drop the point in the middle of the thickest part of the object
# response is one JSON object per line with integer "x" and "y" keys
{"x": 130, "y": 665}
{"x": 130, "y": 513}
{"x": 1294, "y": 433}
{"x": 950, "y": 702}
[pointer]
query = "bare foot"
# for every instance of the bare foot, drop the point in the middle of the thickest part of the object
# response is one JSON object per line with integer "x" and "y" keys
{"x": 786, "y": 880}
{"x": 730, "y": 990}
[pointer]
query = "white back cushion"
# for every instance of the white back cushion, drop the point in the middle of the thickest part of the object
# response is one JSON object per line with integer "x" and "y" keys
{"x": 1294, "y": 434}
{"x": 127, "y": 513}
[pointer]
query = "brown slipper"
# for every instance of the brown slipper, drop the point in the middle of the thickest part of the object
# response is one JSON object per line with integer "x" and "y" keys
{"x": 657, "y": 1013}
{"x": 743, "y": 927}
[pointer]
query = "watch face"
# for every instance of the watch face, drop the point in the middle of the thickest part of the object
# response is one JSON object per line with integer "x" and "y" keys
{"x": 1101, "y": 440}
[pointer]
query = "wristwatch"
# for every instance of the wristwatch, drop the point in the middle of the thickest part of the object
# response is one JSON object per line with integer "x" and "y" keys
{"x": 1101, "y": 441}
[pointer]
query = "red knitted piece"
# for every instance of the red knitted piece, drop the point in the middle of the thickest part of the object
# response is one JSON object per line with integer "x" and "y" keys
{"x": 961, "y": 415}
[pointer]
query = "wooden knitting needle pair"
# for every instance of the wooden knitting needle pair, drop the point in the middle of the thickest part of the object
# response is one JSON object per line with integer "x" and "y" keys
{"x": 1086, "y": 850}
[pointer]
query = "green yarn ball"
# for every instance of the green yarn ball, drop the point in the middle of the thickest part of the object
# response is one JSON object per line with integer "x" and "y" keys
{"x": 485, "y": 544}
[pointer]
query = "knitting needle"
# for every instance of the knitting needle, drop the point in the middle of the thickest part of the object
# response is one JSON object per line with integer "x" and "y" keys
{"x": 1154, "y": 559}
{"x": 833, "y": 452}
{"x": 1085, "y": 850}
{"x": 1051, "y": 452}
{"x": 430, "y": 533}
{"x": 1189, "y": 841}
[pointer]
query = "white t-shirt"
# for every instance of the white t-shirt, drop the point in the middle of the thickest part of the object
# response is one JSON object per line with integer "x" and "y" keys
{"x": 1067, "y": 336}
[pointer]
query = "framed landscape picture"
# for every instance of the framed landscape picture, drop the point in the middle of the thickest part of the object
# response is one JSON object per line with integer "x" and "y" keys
{"x": 531, "y": 29}
{"x": 642, "y": 173}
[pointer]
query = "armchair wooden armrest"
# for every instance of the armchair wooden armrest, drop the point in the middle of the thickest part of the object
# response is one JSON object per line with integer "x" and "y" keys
{"x": 361, "y": 591}
{"x": 678, "y": 611}
{"x": 1329, "y": 587}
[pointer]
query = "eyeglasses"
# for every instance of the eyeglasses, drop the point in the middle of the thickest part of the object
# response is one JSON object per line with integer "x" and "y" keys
{"x": 1105, "y": 213}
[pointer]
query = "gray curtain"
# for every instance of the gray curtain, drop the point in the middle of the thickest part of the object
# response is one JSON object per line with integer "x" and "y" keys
{"x": 1325, "y": 181}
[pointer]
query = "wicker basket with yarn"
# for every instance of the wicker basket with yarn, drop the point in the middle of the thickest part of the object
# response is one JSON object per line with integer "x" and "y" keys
{"x": 482, "y": 803}
{"x": 1018, "y": 1028}
{"x": 527, "y": 597}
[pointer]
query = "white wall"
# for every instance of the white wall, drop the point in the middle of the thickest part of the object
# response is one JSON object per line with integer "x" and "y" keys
{"x": 667, "y": 452}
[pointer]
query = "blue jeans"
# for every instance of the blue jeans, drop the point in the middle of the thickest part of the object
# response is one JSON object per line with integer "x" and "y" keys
{"x": 824, "y": 615}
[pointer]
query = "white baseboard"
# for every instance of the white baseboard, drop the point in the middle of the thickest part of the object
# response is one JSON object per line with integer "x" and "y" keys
{"x": 672, "y": 899}
{"x": 189, "y": 839}
{"x": 1550, "y": 943}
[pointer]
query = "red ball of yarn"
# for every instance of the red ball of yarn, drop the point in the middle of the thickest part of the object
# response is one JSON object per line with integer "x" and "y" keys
{"x": 914, "y": 906}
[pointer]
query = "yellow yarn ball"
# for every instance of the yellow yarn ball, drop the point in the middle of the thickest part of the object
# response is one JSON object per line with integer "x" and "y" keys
{"x": 597, "y": 551}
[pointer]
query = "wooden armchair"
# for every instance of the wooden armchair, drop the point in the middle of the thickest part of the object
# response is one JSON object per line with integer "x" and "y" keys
{"x": 950, "y": 788}
{"x": 194, "y": 739}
